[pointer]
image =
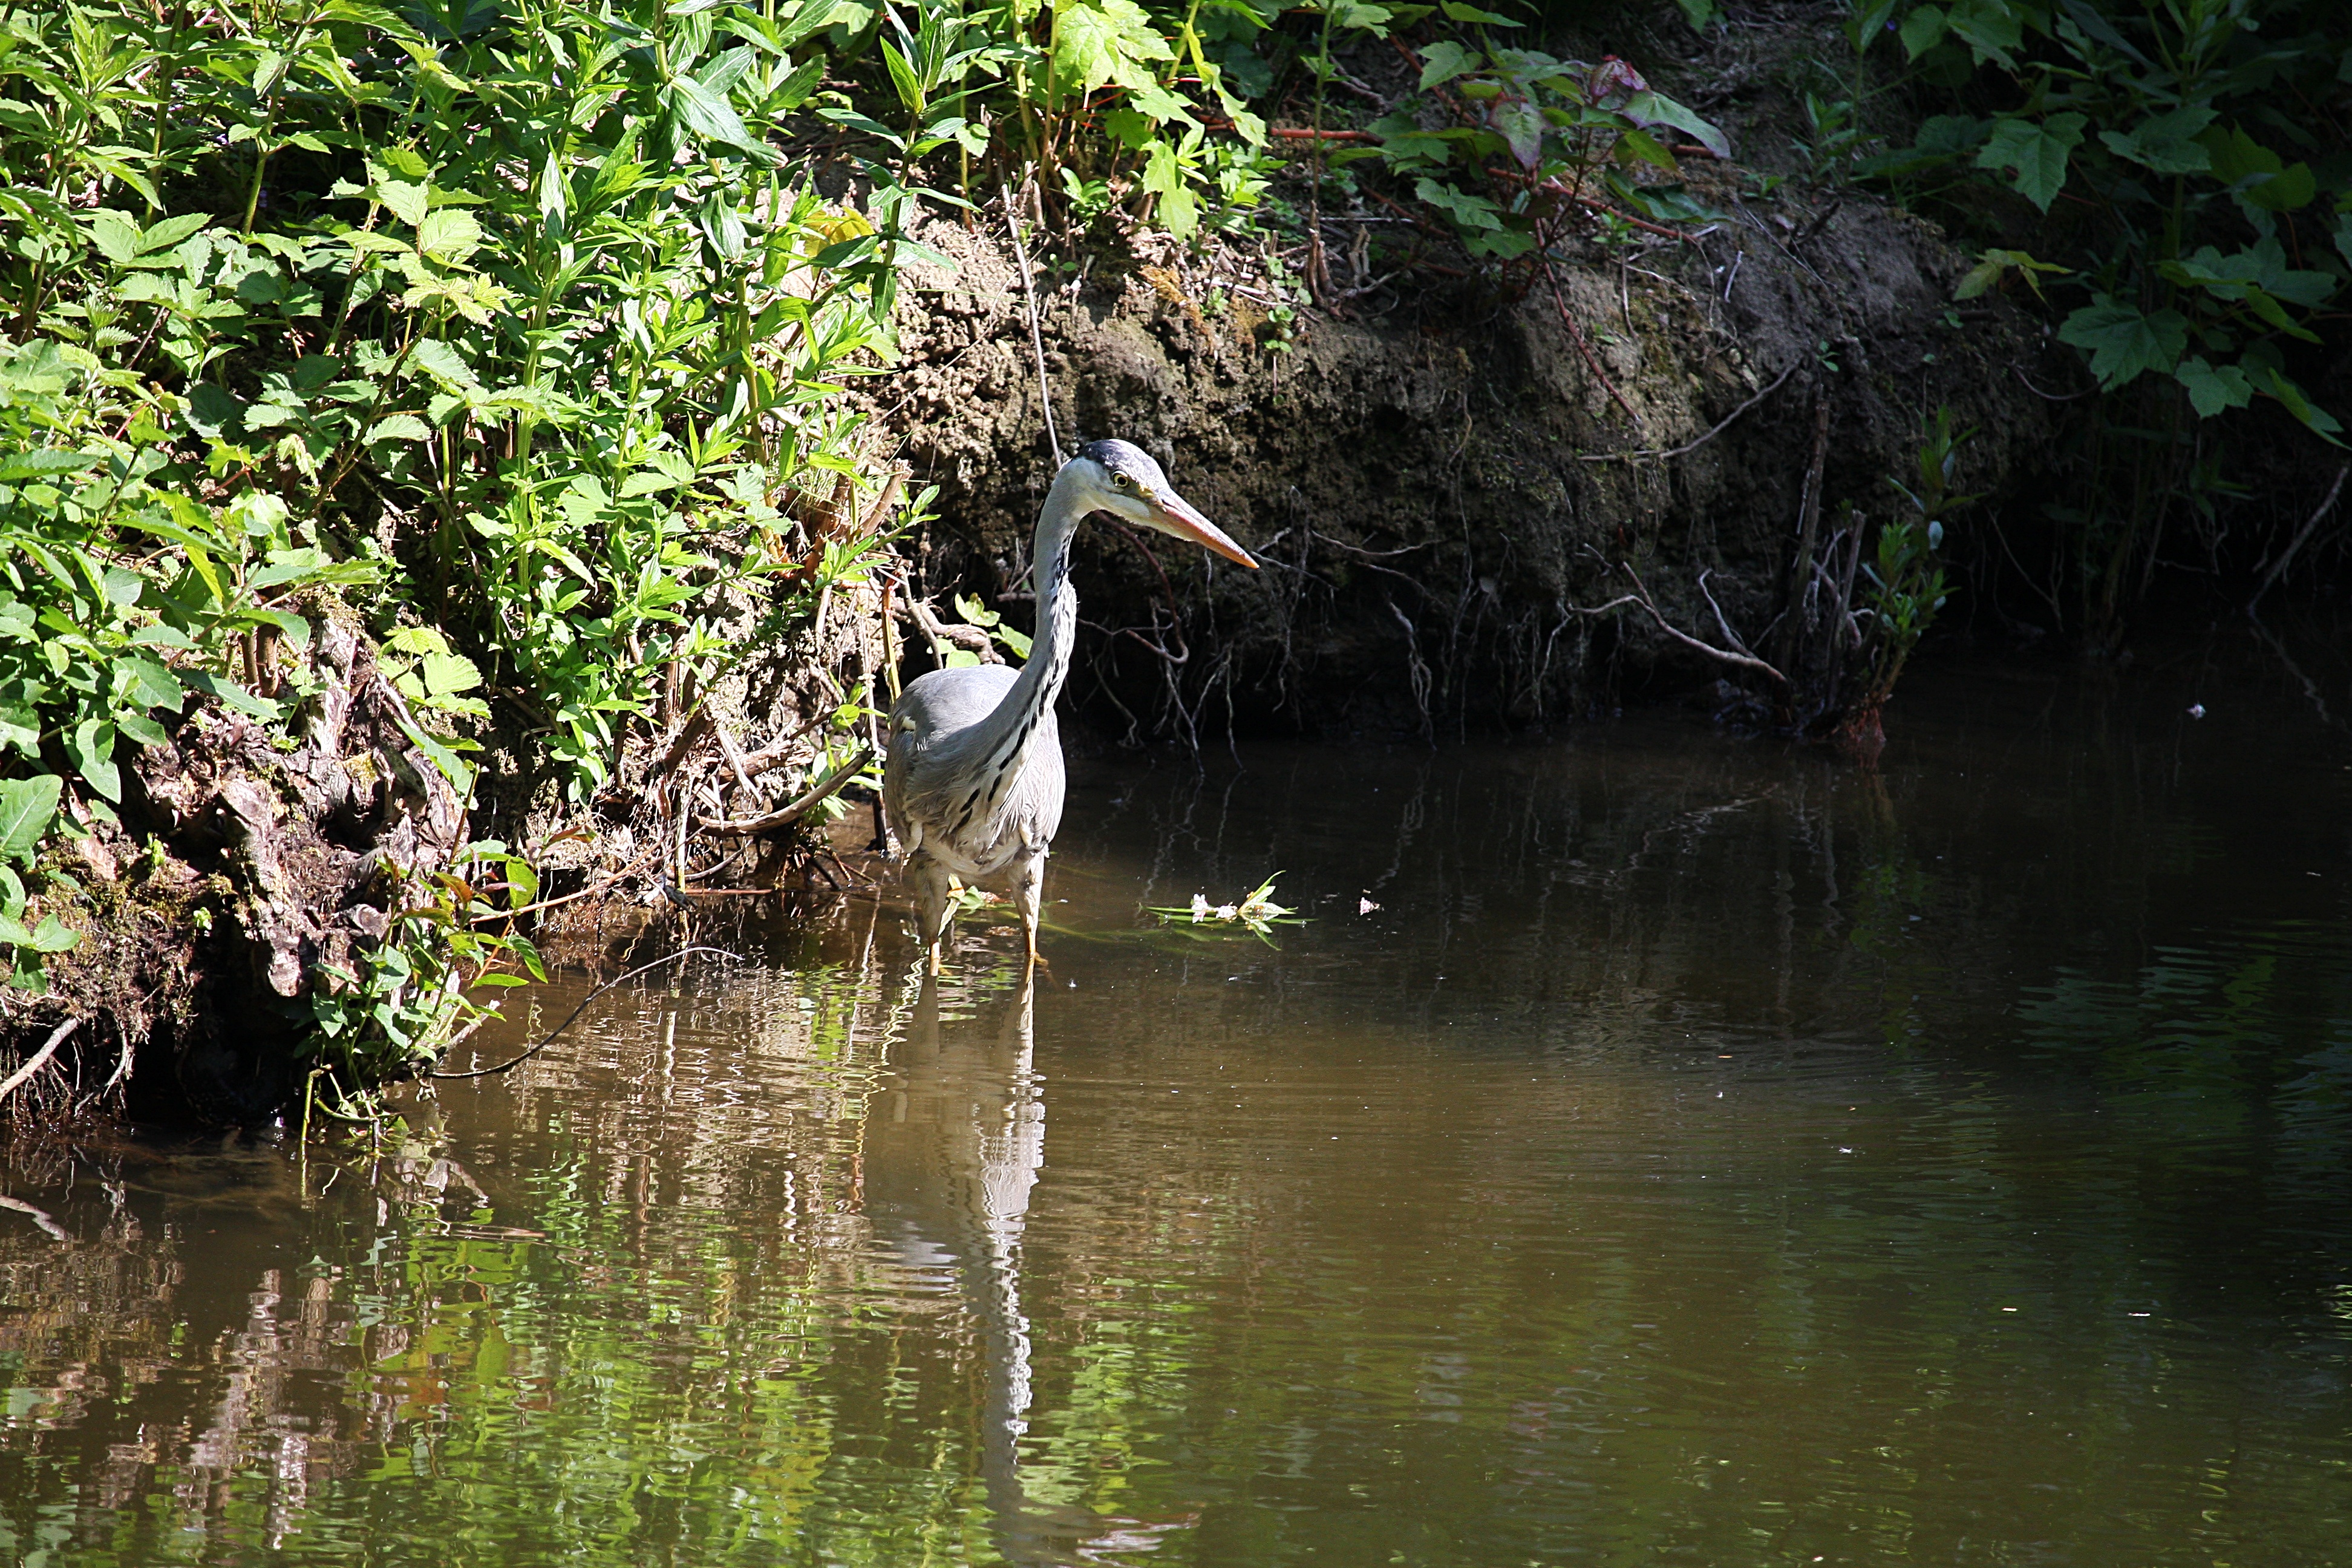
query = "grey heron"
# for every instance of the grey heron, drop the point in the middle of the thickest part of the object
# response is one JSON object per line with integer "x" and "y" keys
{"x": 972, "y": 781}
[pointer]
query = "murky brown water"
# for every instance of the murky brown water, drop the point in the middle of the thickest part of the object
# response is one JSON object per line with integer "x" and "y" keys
{"x": 1705, "y": 1153}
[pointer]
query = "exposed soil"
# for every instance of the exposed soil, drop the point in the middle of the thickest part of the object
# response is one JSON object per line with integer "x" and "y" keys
{"x": 1437, "y": 484}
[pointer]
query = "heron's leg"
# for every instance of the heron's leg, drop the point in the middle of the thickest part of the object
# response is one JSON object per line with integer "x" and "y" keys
{"x": 1028, "y": 889}
{"x": 931, "y": 907}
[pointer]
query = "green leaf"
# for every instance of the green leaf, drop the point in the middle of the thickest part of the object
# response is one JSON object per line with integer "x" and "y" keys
{"x": 399, "y": 427}
{"x": 902, "y": 78}
{"x": 2292, "y": 187}
{"x": 171, "y": 232}
{"x": 2034, "y": 153}
{"x": 26, "y": 808}
{"x": 705, "y": 114}
{"x": 1445, "y": 59}
{"x": 1468, "y": 211}
{"x": 1103, "y": 43}
{"x": 2124, "y": 341}
{"x": 1648, "y": 107}
{"x": 1471, "y": 13}
{"x": 1992, "y": 29}
{"x": 1993, "y": 264}
{"x": 1522, "y": 127}
{"x": 115, "y": 234}
{"x": 53, "y": 935}
{"x": 2321, "y": 422}
{"x": 2166, "y": 143}
{"x": 229, "y": 694}
{"x": 152, "y": 684}
{"x": 447, "y": 673}
{"x": 92, "y": 749}
{"x": 1923, "y": 29}
{"x": 448, "y": 235}
{"x": 406, "y": 201}
{"x": 2212, "y": 388}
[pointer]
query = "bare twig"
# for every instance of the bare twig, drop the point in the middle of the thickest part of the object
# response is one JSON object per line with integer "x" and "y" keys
{"x": 1720, "y": 619}
{"x": 589, "y": 891}
{"x": 2049, "y": 396}
{"x": 1687, "y": 448}
{"x": 1036, "y": 336}
{"x": 569, "y": 1018}
{"x": 785, "y": 816}
{"x": 1640, "y": 595}
{"x": 57, "y": 1037}
{"x": 2303, "y": 536}
{"x": 1576, "y": 335}
{"x": 689, "y": 733}
{"x": 1809, "y": 528}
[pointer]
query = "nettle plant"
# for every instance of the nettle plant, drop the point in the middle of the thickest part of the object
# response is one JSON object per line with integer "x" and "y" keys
{"x": 1530, "y": 133}
{"x": 2190, "y": 218}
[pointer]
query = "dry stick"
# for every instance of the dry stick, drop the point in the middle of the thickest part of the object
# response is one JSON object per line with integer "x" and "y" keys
{"x": 734, "y": 755}
{"x": 574, "y": 1013}
{"x": 2302, "y": 537}
{"x": 1808, "y": 527}
{"x": 1687, "y": 448}
{"x": 1640, "y": 595}
{"x": 1036, "y": 337}
{"x": 589, "y": 891}
{"x": 784, "y": 816}
{"x": 1576, "y": 335}
{"x": 40, "y": 1058}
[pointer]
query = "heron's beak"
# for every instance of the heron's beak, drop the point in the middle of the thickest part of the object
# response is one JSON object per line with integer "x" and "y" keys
{"x": 1177, "y": 516}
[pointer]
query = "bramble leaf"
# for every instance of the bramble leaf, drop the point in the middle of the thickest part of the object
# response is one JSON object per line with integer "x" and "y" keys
{"x": 2034, "y": 154}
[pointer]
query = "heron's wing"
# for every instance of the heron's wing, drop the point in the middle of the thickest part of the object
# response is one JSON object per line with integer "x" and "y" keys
{"x": 1034, "y": 804}
{"x": 930, "y": 754}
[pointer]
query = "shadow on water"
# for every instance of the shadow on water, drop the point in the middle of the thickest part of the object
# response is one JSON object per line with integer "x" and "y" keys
{"x": 1657, "y": 1147}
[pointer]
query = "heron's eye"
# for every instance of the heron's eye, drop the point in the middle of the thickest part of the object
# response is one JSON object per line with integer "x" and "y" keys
{"x": 1121, "y": 481}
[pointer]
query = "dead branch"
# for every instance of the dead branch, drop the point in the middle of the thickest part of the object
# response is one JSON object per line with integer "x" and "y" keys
{"x": 41, "y": 1058}
{"x": 785, "y": 816}
{"x": 1689, "y": 446}
{"x": 1640, "y": 595}
{"x": 1576, "y": 335}
{"x": 695, "y": 725}
{"x": 2303, "y": 536}
{"x": 971, "y": 639}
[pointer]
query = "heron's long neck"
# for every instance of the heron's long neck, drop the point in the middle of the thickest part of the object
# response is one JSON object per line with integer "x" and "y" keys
{"x": 1016, "y": 720}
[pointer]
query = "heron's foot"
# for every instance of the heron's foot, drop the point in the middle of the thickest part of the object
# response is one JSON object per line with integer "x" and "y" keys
{"x": 931, "y": 961}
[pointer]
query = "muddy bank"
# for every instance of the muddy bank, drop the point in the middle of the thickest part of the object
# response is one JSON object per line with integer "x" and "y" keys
{"x": 1437, "y": 475}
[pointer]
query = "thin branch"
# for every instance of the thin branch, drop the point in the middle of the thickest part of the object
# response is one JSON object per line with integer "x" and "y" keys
{"x": 1036, "y": 337}
{"x": 1640, "y": 595}
{"x": 569, "y": 1018}
{"x": 2303, "y": 536}
{"x": 1687, "y": 448}
{"x": 1728, "y": 635}
{"x": 784, "y": 816}
{"x": 41, "y": 1058}
{"x": 1576, "y": 335}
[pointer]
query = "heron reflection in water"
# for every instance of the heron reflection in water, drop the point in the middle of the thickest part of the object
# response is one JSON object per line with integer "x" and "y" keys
{"x": 952, "y": 1152}
{"x": 972, "y": 784}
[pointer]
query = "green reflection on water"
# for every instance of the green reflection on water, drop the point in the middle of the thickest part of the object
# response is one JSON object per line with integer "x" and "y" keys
{"x": 1703, "y": 1155}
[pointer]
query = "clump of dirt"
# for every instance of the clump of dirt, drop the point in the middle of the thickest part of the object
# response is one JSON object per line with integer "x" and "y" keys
{"x": 1439, "y": 482}
{"x": 266, "y": 868}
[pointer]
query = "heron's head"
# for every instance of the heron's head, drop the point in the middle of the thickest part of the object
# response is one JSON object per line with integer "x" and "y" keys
{"x": 1120, "y": 479}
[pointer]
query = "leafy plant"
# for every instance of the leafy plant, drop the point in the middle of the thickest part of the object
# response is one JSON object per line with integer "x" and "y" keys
{"x": 2192, "y": 256}
{"x": 1255, "y": 912}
